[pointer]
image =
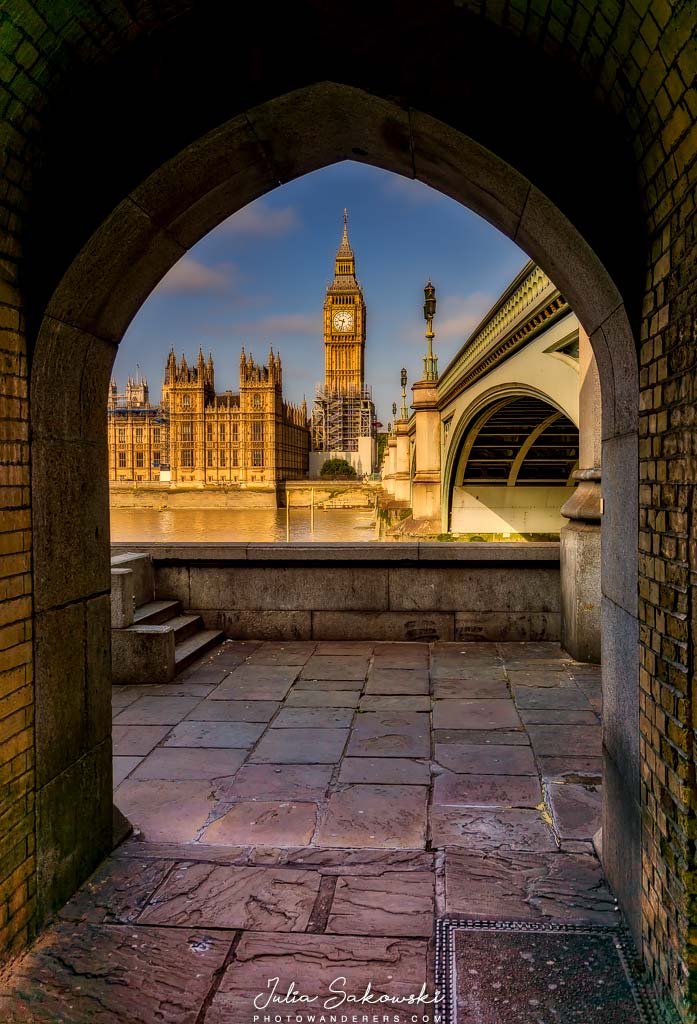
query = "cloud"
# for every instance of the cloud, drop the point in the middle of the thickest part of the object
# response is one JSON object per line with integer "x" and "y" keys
{"x": 189, "y": 277}
{"x": 411, "y": 189}
{"x": 262, "y": 221}
{"x": 458, "y": 315}
{"x": 283, "y": 323}
{"x": 456, "y": 318}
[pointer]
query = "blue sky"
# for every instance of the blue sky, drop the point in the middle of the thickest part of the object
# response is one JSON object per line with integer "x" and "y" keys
{"x": 259, "y": 278}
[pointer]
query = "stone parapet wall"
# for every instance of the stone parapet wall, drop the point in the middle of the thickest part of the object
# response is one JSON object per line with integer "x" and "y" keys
{"x": 506, "y": 592}
{"x": 158, "y": 496}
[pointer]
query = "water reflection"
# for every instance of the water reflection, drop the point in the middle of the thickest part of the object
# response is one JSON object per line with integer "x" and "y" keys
{"x": 243, "y": 525}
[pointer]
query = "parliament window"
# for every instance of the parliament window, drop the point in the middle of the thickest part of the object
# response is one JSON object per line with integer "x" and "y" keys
{"x": 235, "y": 432}
{"x": 186, "y": 401}
{"x": 187, "y": 431}
{"x": 256, "y": 401}
{"x": 139, "y": 460}
{"x": 122, "y": 460}
{"x": 156, "y": 435}
{"x": 209, "y": 458}
{"x": 122, "y": 435}
{"x": 221, "y": 432}
{"x": 257, "y": 457}
{"x": 221, "y": 458}
{"x": 234, "y": 456}
{"x": 139, "y": 435}
{"x": 209, "y": 431}
{"x": 257, "y": 431}
{"x": 156, "y": 458}
{"x": 187, "y": 458}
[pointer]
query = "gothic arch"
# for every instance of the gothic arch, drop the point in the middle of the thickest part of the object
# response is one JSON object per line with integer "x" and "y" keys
{"x": 100, "y": 289}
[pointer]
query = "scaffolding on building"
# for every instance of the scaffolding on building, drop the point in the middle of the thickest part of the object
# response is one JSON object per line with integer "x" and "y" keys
{"x": 339, "y": 419}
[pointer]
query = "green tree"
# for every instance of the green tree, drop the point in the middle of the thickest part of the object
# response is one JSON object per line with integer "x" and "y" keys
{"x": 337, "y": 469}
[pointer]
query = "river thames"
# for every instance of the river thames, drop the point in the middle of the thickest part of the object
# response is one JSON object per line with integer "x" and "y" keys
{"x": 242, "y": 525}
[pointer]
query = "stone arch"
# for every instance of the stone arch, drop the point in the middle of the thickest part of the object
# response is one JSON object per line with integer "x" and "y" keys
{"x": 480, "y": 492}
{"x": 478, "y": 405}
{"x": 94, "y": 299}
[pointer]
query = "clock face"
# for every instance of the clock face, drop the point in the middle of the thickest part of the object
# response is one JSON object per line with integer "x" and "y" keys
{"x": 343, "y": 320}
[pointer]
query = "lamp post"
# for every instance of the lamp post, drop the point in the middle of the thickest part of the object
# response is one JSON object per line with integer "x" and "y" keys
{"x": 430, "y": 361}
{"x": 426, "y": 481}
{"x": 403, "y": 411}
{"x": 394, "y": 413}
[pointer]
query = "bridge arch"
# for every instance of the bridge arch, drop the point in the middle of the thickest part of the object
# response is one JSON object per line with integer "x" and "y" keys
{"x": 503, "y": 392}
{"x": 527, "y": 417}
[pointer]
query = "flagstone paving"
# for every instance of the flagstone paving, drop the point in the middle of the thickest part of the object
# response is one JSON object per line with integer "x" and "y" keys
{"x": 304, "y": 811}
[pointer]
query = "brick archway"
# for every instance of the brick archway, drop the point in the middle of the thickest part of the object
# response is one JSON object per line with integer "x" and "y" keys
{"x": 131, "y": 131}
{"x": 135, "y": 246}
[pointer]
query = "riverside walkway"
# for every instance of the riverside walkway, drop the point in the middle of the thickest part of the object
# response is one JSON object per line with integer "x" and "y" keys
{"x": 305, "y": 811}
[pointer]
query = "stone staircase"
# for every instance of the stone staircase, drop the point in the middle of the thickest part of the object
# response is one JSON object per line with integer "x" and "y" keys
{"x": 152, "y": 641}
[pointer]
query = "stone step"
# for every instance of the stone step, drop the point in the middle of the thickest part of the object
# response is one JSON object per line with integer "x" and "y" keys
{"x": 189, "y": 650}
{"x": 143, "y": 580}
{"x": 156, "y": 612}
{"x": 185, "y": 626}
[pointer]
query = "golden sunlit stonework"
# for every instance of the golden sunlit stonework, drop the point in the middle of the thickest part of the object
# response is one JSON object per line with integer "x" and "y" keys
{"x": 343, "y": 414}
{"x": 344, "y": 325}
{"x": 198, "y": 437}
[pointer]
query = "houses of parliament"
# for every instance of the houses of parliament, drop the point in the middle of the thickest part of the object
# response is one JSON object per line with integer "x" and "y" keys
{"x": 251, "y": 437}
{"x": 196, "y": 437}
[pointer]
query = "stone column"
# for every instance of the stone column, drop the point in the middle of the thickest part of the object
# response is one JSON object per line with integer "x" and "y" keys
{"x": 580, "y": 537}
{"x": 390, "y": 464}
{"x": 426, "y": 486}
{"x": 402, "y": 483}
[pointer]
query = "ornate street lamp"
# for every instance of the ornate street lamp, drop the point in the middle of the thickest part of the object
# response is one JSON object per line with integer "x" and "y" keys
{"x": 430, "y": 361}
{"x": 403, "y": 411}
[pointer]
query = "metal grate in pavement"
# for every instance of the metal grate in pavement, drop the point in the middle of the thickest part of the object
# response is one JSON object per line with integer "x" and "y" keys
{"x": 514, "y": 972}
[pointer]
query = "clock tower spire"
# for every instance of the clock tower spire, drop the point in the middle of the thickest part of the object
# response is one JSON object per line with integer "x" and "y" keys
{"x": 344, "y": 324}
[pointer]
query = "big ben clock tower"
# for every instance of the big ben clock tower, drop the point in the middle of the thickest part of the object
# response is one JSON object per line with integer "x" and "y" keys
{"x": 344, "y": 325}
{"x": 343, "y": 414}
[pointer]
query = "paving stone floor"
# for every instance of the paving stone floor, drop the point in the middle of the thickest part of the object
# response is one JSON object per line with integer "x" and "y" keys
{"x": 304, "y": 811}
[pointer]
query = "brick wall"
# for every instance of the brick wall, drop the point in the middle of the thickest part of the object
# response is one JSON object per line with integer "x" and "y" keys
{"x": 668, "y": 549}
{"x": 17, "y": 838}
{"x": 637, "y": 58}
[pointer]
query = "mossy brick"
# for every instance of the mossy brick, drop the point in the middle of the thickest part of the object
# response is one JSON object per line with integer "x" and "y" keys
{"x": 26, "y": 55}
{"x": 14, "y": 845}
{"x": 14, "y": 542}
{"x": 14, "y": 724}
{"x": 10, "y": 636}
{"x": 20, "y": 873}
{"x": 17, "y": 743}
{"x": 14, "y": 586}
{"x": 15, "y": 563}
{"x": 15, "y": 611}
{"x": 16, "y": 811}
{"x": 22, "y": 697}
{"x": 20, "y": 920}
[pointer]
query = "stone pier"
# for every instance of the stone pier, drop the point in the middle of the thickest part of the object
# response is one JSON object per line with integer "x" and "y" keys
{"x": 580, "y": 537}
